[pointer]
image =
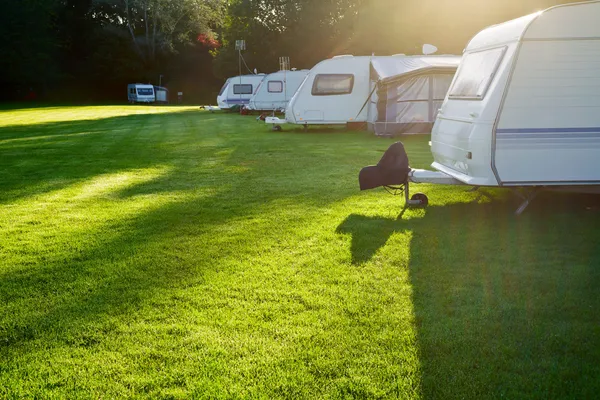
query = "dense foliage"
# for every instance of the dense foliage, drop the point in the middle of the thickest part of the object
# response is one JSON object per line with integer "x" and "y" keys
{"x": 88, "y": 50}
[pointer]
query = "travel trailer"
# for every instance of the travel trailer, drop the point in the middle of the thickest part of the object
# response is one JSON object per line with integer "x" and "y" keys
{"x": 276, "y": 90}
{"x": 238, "y": 90}
{"x": 408, "y": 92}
{"x": 140, "y": 93}
{"x": 522, "y": 112}
{"x": 332, "y": 93}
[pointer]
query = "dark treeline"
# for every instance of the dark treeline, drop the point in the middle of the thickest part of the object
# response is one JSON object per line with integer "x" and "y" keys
{"x": 88, "y": 50}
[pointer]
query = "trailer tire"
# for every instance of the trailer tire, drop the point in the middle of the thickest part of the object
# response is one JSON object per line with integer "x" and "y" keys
{"x": 421, "y": 198}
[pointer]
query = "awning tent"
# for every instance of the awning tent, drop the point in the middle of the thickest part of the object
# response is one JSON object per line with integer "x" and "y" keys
{"x": 162, "y": 94}
{"x": 408, "y": 91}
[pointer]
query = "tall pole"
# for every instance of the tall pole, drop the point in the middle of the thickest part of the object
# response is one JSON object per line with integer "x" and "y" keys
{"x": 240, "y": 69}
{"x": 240, "y": 45}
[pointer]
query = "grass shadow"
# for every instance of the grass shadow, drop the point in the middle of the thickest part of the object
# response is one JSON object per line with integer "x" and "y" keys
{"x": 369, "y": 234}
{"x": 88, "y": 274}
{"x": 504, "y": 306}
{"x": 507, "y": 306}
{"x": 39, "y": 158}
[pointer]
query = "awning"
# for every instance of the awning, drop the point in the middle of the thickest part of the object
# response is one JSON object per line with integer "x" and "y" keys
{"x": 390, "y": 69}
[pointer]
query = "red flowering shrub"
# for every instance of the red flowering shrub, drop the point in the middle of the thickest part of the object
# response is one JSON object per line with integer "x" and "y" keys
{"x": 208, "y": 41}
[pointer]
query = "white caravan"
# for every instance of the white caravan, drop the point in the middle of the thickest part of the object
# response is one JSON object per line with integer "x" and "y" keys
{"x": 276, "y": 90}
{"x": 332, "y": 93}
{"x": 238, "y": 90}
{"x": 338, "y": 90}
{"x": 408, "y": 92}
{"x": 140, "y": 93}
{"x": 523, "y": 110}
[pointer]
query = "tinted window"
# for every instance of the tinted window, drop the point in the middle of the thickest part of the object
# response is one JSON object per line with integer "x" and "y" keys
{"x": 242, "y": 89}
{"x": 145, "y": 92}
{"x": 332, "y": 84}
{"x": 275, "y": 86}
{"x": 475, "y": 74}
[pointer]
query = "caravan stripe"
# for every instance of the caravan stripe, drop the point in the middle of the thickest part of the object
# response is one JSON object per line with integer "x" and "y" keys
{"x": 237, "y": 100}
{"x": 548, "y": 133}
{"x": 549, "y": 130}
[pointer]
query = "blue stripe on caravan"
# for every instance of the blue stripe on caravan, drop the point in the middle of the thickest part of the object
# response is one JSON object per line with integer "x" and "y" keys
{"x": 237, "y": 100}
{"x": 549, "y": 133}
{"x": 550, "y": 130}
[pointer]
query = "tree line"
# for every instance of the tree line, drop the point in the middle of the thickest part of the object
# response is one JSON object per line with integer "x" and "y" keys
{"x": 88, "y": 50}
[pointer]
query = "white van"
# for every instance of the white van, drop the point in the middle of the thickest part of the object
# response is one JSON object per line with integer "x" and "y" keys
{"x": 140, "y": 93}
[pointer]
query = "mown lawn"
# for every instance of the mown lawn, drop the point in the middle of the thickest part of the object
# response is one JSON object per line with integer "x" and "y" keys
{"x": 173, "y": 253}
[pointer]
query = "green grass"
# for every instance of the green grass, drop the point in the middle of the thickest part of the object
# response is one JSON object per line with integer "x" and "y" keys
{"x": 172, "y": 253}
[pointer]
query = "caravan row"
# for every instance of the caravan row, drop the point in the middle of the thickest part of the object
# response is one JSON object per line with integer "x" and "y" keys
{"x": 392, "y": 94}
{"x": 270, "y": 92}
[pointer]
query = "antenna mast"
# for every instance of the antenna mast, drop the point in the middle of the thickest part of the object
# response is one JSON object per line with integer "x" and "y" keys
{"x": 239, "y": 46}
{"x": 284, "y": 65}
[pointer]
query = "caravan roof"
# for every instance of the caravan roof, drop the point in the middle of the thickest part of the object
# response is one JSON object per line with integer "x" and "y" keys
{"x": 566, "y": 21}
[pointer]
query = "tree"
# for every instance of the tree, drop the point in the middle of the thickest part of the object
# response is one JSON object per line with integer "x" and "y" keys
{"x": 156, "y": 27}
{"x": 30, "y": 45}
{"x": 305, "y": 30}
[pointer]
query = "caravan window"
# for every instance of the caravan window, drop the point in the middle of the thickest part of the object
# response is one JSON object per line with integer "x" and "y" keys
{"x": 475, "y": 74}
{"x": 242, "y": 89}
{"x": 275, "y": 86}
{"x": 332, "y": 84}
{"x": 145, "y": 92}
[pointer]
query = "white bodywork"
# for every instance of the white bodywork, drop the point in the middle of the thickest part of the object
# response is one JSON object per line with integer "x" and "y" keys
{"x": 140, "y": 93}
{"x": 314, "y": 105}
{"x": 524, "y": 106}
{"x": 238, "y": 90}
{"x": 276, "y": 90}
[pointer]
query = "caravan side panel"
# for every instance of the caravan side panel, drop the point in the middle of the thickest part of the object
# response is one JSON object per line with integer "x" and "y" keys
{"x": 549, "y": 128}
{"x": 332, "y": 93}
{"x": 276, "y": 90}
{"x": 238, "y": 90}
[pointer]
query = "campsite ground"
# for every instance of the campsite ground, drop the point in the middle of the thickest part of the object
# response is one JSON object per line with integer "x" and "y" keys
{"x": 167, "y": 252}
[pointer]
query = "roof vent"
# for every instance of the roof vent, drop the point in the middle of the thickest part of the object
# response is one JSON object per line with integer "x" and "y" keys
{"x": 429, "y": 49}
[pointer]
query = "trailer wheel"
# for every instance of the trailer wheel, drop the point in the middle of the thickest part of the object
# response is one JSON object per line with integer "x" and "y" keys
{"x": 421, "y": 198}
